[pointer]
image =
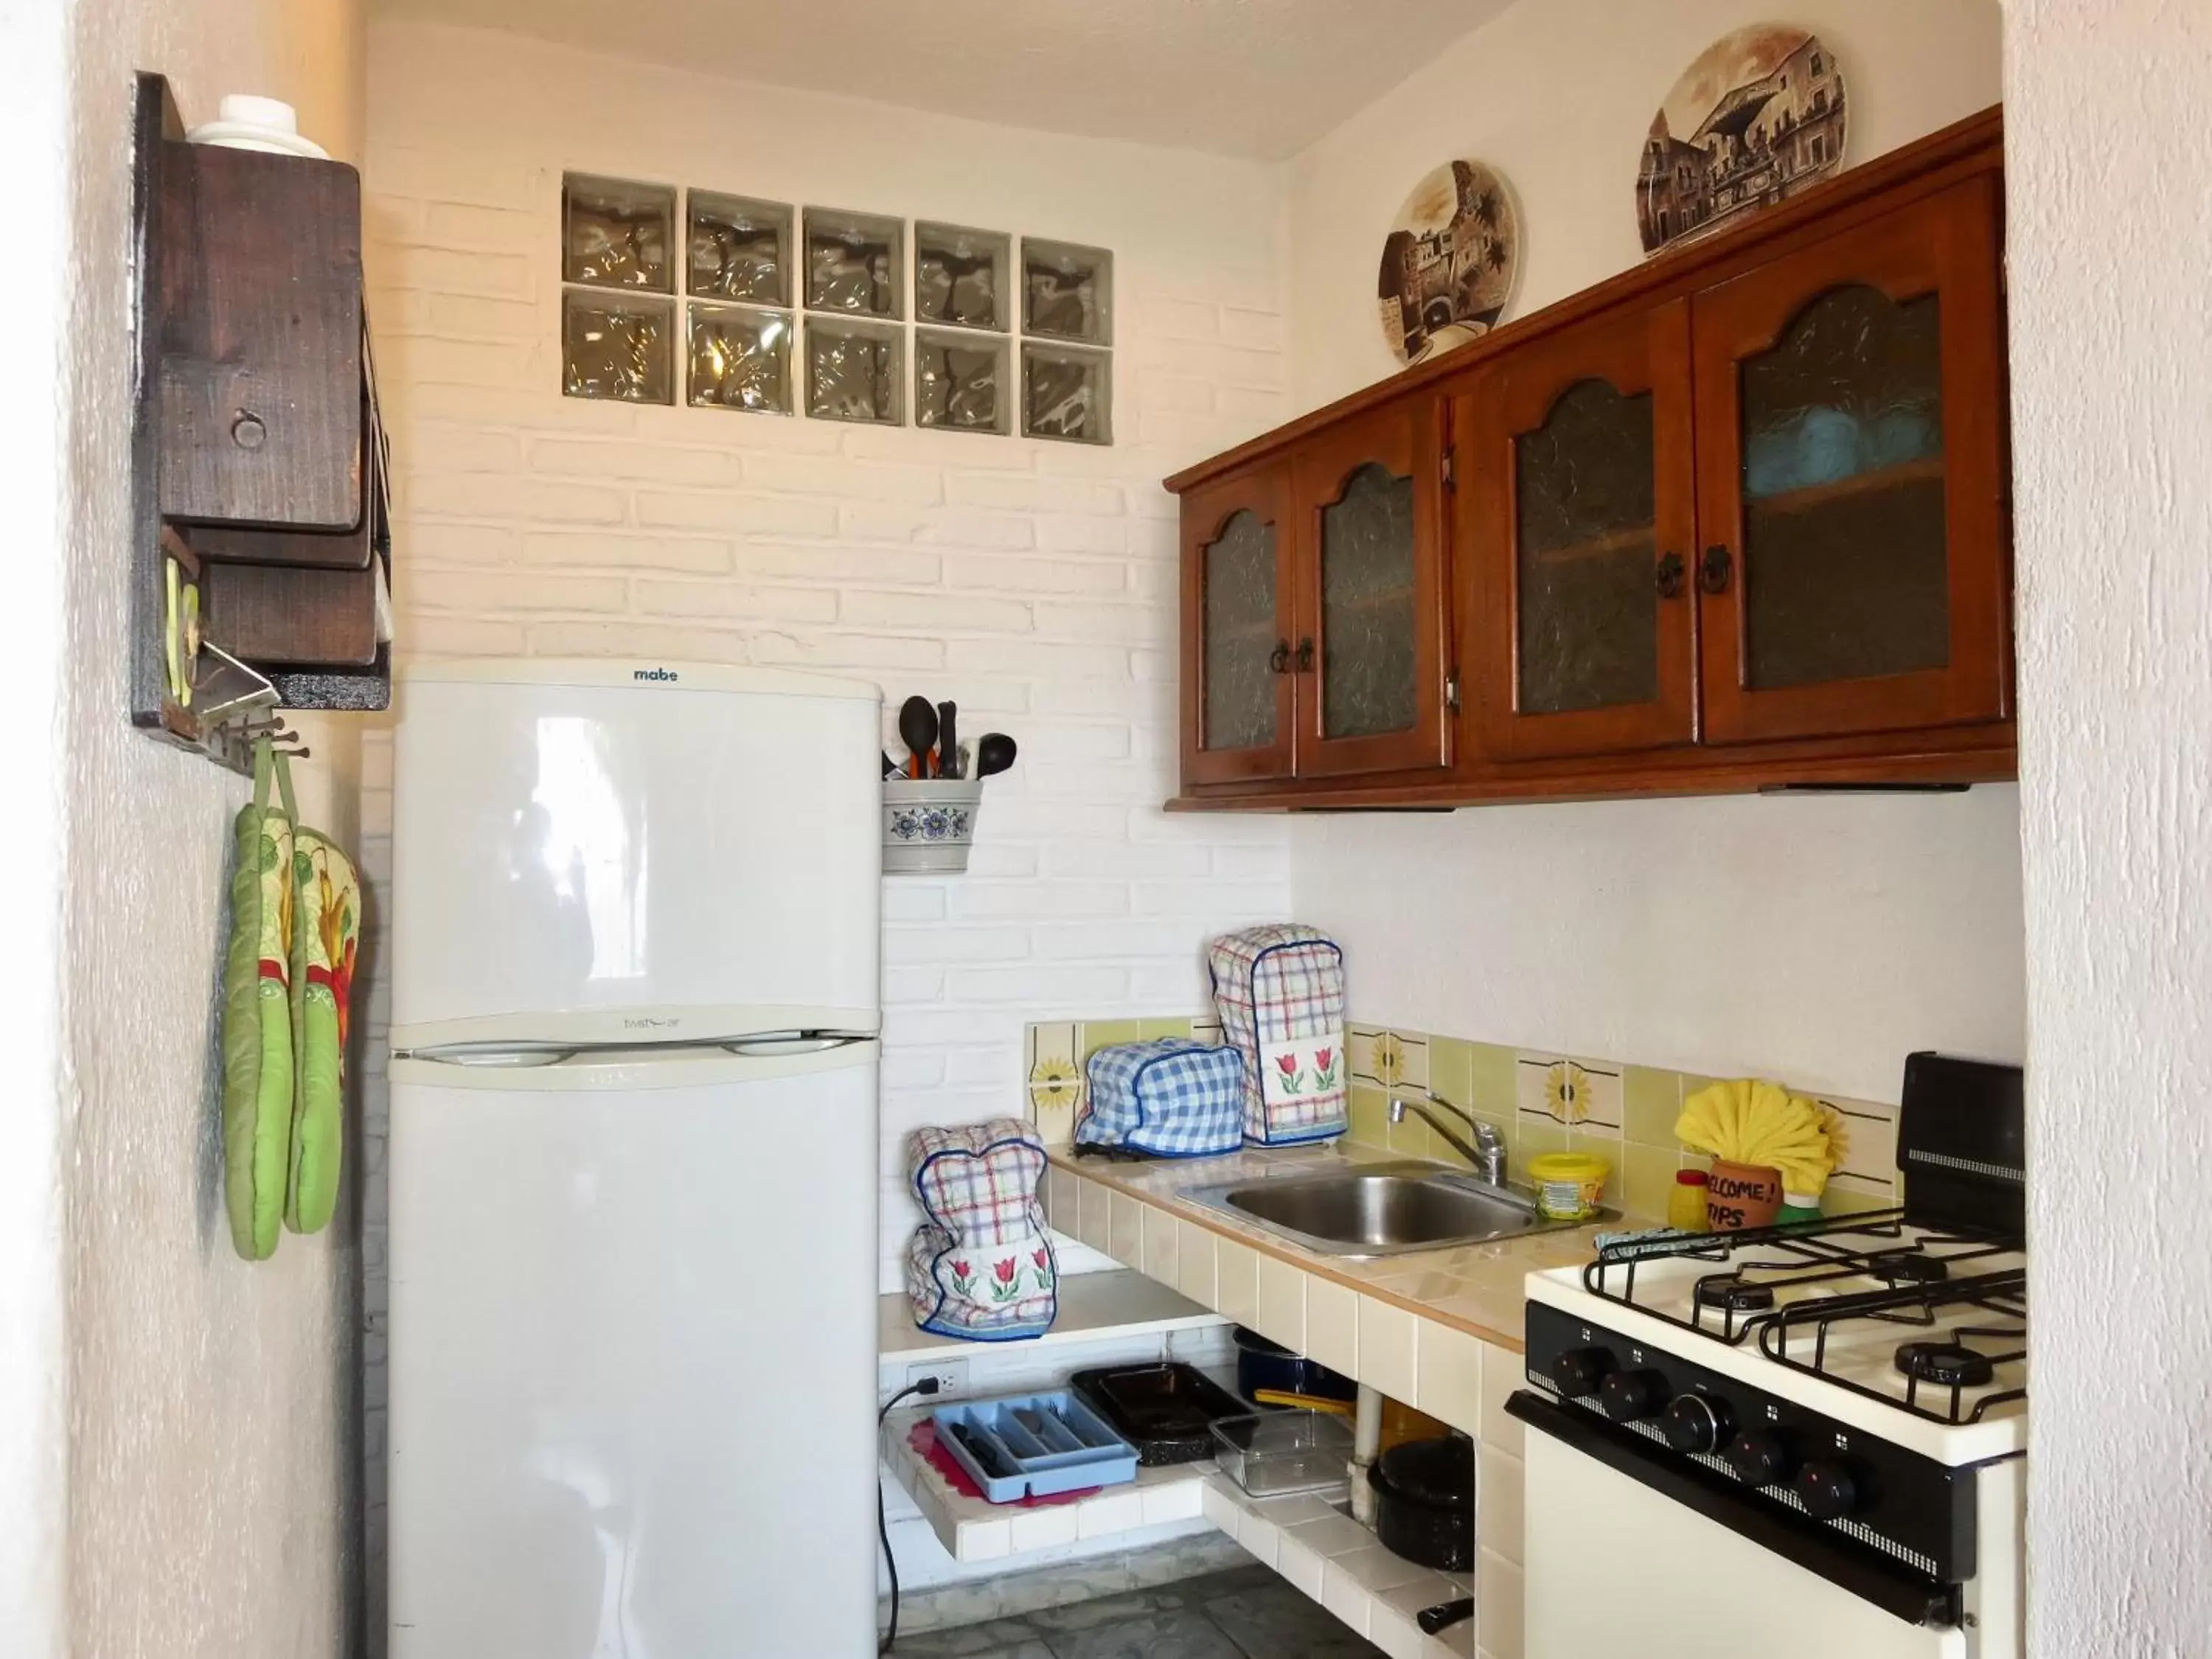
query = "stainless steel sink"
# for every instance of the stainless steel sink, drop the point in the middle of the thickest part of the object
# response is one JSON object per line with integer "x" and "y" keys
{"x": 1381, "y": 1209}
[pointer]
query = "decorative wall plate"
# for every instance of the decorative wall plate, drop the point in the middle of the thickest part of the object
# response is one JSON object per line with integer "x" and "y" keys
{"x": 1757, "y": 118}
{"x": 1450, "y": 263}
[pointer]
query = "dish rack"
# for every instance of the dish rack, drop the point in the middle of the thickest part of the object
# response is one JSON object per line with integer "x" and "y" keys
{"x": 1041, "y": 1444}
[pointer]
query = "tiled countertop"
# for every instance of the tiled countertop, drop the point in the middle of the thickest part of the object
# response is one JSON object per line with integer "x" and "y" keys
{"x": 1477, "y": 1289}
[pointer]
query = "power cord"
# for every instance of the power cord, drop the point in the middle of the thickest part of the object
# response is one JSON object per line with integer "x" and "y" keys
{"x": 927, "y": 1385}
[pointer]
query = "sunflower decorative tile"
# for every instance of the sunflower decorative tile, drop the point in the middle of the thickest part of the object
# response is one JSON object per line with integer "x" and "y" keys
{"x": 1055, "y": 1079}
{"x": 1583, "y": 1095}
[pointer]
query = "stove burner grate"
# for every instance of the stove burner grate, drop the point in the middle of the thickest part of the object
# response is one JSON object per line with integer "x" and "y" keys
{"x": 1907, "y": 1268}
{"x": 1734, "y": 1293}
{"x": 1952, "y": 1363}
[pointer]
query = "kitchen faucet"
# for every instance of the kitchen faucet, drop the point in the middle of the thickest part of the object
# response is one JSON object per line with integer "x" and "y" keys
{"x": 1486, "y": 1157}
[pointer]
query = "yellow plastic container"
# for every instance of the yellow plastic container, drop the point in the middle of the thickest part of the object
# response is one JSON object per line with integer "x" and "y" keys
{"x": 1568, "y": 1184}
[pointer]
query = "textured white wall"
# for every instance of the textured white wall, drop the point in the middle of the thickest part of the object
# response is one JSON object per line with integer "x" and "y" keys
{"x": 1817, "y": 939}
{"x": 211, "y": 1489}
{"x": 2109, "y": 158}
{"x": 35, "y": 124}
{"x": 1033, "y": 582}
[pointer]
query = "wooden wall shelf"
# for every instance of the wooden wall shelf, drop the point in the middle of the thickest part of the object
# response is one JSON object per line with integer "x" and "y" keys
{"x": 260, "y": 524}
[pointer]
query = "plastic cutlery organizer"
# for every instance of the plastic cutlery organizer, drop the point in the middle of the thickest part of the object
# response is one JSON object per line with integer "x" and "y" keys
{"x": 1033, "y": 1445}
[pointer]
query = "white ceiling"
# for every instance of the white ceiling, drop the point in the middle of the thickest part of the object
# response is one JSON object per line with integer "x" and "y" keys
{"x": 1259, "y": 78}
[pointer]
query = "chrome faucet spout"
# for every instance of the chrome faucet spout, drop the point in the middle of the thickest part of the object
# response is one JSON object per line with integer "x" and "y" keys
{"x": 1486, "y": 1156}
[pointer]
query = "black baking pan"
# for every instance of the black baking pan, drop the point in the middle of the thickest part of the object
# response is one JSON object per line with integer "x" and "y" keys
{"x": 1424, "y": 1502}
{"x": 1166, "y": 1412}
{"x": 1264, "y": 1364}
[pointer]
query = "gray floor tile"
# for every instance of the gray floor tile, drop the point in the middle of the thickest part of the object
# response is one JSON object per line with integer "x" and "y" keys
{"x": 985, "y": 1641}
{"x": 1180, "y": 1635}
{"x": 1276, "y": 1621}
{"x": 1110, "y": 1609}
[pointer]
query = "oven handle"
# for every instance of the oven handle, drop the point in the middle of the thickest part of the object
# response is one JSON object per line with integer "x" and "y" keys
{"x": 1892, "y": 1586}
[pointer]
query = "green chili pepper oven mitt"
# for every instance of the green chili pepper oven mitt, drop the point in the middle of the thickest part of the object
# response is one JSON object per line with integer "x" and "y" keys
{"x": 257, "y": 1015}
{"x": 325, "y": 935}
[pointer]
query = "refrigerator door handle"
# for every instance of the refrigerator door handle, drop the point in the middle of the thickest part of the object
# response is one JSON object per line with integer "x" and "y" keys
{"x": 777, "y": 1044}
{"x": 752, "y": 1045}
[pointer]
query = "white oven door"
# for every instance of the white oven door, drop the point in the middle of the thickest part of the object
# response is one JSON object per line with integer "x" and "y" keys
{"x": 1618, "y": 1565}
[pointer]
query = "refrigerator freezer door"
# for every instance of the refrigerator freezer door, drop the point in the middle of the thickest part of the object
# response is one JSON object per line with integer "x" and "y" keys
{"x": 633, "y": 1358}
{"x": 606, "y": 853}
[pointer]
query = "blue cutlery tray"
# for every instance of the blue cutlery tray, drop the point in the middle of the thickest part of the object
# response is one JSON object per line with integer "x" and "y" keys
{"x": 1070, "y": 1449}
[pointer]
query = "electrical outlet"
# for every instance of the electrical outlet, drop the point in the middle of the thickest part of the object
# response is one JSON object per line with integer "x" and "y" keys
{"x": 951, "y": 1376}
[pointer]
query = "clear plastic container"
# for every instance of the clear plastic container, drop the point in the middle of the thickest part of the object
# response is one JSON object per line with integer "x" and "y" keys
{"x": 1270, "y": 1454}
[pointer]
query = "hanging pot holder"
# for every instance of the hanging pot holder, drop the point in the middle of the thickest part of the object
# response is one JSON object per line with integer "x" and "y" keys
{"x": 325, "y": 935}
{"x": 256, "y": 1014}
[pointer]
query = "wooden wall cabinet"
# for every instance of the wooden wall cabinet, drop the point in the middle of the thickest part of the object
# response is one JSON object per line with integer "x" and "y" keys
{"x": 261, "y": 531}
{"x": 1737, "y": 520}
{"x": 1314, "y": 613}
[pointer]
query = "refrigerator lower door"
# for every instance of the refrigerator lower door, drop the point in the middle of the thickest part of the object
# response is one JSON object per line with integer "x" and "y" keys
{"x": 633, "y": 1357}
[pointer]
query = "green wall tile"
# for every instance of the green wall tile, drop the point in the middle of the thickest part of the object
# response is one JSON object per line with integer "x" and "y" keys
{"x": 1451, "y": 1070}
{"x": 1096, "y": 1034}
{"x": 1651, "y": 1181}
{"x": 1369, "y": 1117}
{"x": 1492, "y": 1087}
{"x": 1652, "y": 1100}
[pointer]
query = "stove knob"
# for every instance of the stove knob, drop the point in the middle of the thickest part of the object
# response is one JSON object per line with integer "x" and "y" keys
{"x": 1757, "y": 1458}
{"x": 1577, "y": 1372}
{"x": 1696, "y": 1423}
{"x": 1631, "y": 1396}
{"x": 1826, "y": 1490}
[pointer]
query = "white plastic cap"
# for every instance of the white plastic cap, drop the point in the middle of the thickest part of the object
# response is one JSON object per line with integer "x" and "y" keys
{"x": 247, "y": 110}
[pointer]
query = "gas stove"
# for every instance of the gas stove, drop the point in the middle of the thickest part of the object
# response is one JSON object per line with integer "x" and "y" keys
{"x": 1849, "y": 1395}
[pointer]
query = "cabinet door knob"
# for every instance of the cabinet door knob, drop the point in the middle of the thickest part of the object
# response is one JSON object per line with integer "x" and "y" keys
{"x": 1713, "y": 573}
{"x": 1279, "y": 660}
{"x": 1305, "y": 656}
{"x": 1670, "y": 576}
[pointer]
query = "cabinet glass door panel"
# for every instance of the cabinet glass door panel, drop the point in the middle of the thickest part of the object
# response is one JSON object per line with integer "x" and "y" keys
{"x": 1239, "y": 636}
{"x": 1368, "y": 674}
{"x": 1578, "y": 512}
{"x": 1852, "y": 573}
{"x": 1369, "y": 646}
{"x": 1586, "y": 540}
{"x": 1238, "y": 691}
{"x": 1844, "y": 540}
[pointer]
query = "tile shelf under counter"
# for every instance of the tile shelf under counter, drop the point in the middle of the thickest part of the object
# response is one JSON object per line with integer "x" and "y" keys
{"x": 1439, "y": 1330}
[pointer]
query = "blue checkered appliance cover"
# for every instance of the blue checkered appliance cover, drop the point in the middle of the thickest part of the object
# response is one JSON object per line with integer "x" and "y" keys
{"x": 1279, "y": 993}
{"x": 1171, "y": 1098}
{"x": 982, "y": 1266}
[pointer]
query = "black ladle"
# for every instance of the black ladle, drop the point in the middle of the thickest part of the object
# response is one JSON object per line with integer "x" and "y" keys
{"x": 917, "y": 729}
{"x": 995, "y": 753}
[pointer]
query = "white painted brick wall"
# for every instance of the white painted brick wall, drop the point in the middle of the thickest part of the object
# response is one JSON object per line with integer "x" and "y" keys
{"x": 1032, "y": 582}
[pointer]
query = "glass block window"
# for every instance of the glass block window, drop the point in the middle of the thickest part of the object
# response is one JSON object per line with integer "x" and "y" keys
{"x": 856, "y": 370}
{"x": 961, "y": 279}
{"x": 740, "y": 358}
{"x": 1067, "y": 392}
{"x": 737, "y": 249}
{"x": 960, "y": 381}
{"x": 737, "y": 302}
{"x": 1067, "y": 292}
{"x": 1068, "y": 324}
{"x": 614, "y": 234}
{"x": 855, "y": 263}
{"x": 615, "y": 346}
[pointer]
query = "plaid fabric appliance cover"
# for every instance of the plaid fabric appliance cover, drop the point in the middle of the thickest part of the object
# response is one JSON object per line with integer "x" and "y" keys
{"x": 982, "y": 1267}
{"x": 1279, "y": 993}
{"x": 1171, "y": 1097}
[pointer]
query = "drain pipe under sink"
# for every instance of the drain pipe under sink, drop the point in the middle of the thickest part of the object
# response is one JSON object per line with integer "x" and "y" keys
{"x": 1366, "y": 1446}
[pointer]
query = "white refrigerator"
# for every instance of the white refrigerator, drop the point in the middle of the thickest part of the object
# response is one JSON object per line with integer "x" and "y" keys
{"x": 633, "y": 1161}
